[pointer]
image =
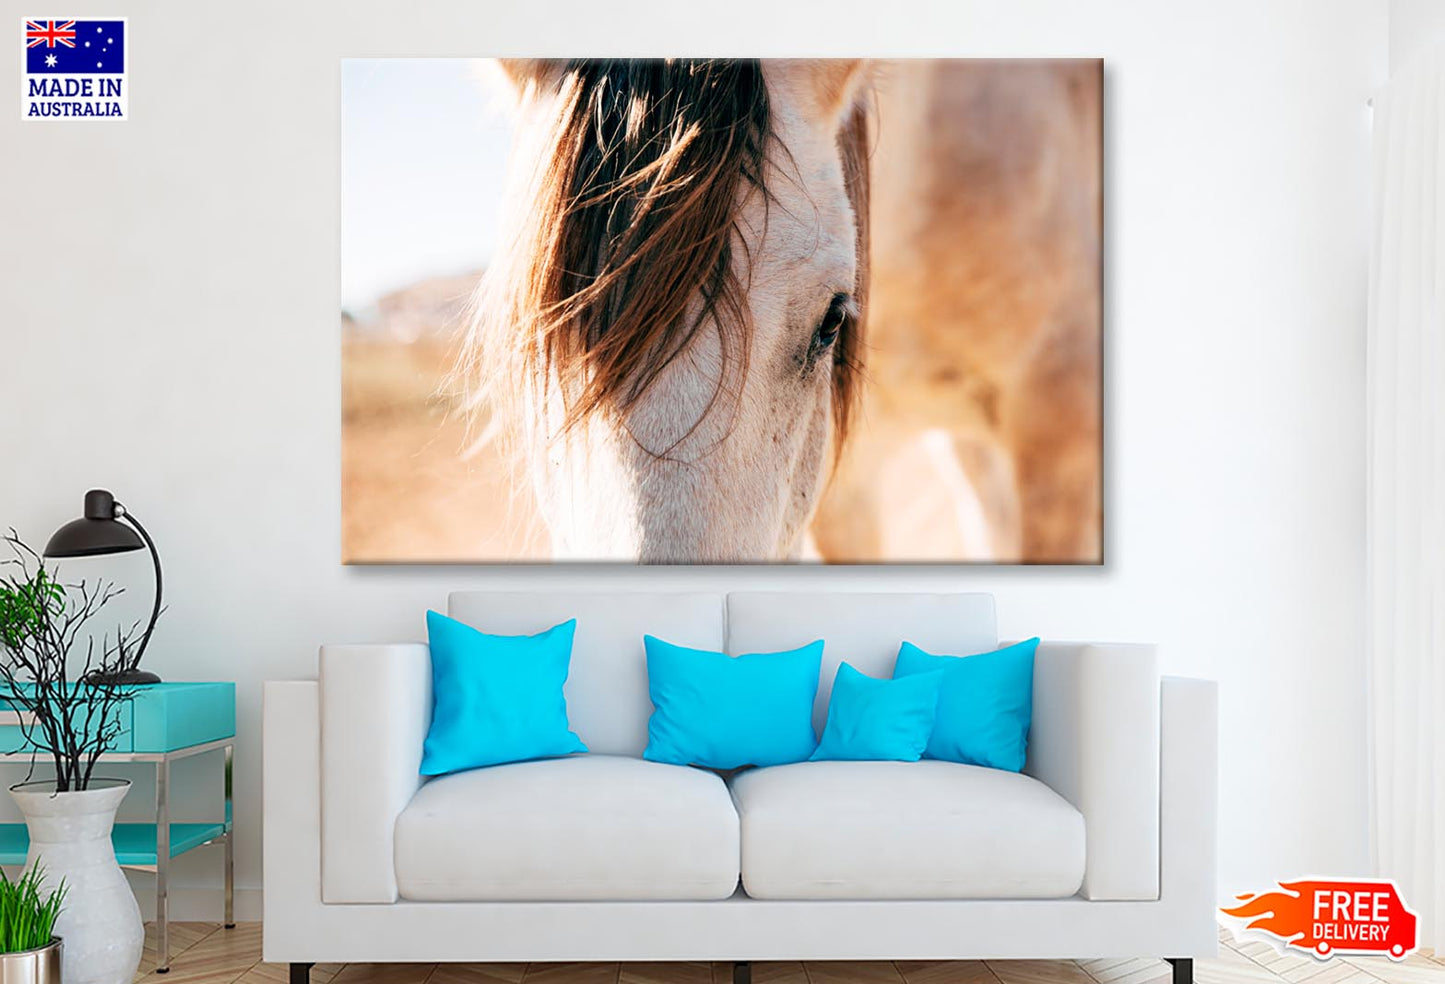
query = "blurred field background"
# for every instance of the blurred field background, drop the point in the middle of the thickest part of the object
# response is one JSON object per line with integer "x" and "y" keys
{"x": 424, "y": 147}
{"x": 412, "y": 491}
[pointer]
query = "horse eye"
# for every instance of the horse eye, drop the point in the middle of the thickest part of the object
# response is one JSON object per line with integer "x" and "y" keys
{"x": 827, "y": 331}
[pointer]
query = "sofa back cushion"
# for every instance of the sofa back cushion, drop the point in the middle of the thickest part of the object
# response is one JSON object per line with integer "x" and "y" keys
{"x": 607, "y": 702}
{"x": 863, "y": 628}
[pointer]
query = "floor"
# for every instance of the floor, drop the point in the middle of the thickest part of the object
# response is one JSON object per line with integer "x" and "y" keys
{"x": 204, "y": 953}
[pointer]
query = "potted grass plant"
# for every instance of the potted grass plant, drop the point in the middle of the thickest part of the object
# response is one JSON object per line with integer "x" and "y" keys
{"x": 29, "y": 949}
{"x": 50, "y": 651}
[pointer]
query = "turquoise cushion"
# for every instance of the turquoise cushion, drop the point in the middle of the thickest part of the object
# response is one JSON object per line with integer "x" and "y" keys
{"x": 984, "y": 704}
{"x": 879, "y": 720}
{"x": 724, "y": 712}
{"x": 496, "y": 698}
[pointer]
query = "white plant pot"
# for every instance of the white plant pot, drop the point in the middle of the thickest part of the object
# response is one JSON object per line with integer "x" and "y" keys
{"x": 70, "y": 838}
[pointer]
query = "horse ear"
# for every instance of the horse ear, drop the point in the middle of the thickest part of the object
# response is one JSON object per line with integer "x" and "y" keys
{"x": 829, "y": 87}
{"x": 530, "y": 74}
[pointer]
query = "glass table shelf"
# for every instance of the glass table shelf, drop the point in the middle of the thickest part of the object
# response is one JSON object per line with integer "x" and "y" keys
{"x": 135, "y": 843}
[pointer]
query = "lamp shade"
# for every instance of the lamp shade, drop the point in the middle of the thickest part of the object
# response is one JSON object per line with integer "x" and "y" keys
{"x": 98, "y": 532}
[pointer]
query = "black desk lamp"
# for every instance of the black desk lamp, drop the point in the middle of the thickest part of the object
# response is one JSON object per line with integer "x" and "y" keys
{"x": 101, "y": 532}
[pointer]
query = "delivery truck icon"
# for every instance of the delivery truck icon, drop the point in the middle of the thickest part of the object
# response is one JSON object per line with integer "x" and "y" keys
{"x": 1329, "y": 917}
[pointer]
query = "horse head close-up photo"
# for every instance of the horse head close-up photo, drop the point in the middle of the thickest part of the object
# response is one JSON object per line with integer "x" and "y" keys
{"x": 724, "y": 311}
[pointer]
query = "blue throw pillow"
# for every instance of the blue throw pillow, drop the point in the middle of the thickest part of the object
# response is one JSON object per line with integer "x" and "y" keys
{"x": 984, "y": 704}
{"x": 724, "y": 712}
{"x": 879, "y": 720}
{"x": 496, "y": 698}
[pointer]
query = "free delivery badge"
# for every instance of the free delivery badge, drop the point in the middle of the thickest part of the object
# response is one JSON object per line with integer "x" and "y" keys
{"x": 1325, "y": 917}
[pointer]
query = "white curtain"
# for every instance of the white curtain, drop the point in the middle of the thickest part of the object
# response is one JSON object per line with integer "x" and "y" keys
{"x": 1406, "y": 488}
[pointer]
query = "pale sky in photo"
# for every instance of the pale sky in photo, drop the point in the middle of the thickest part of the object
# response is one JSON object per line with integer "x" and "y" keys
{"x": 423, "y": 152}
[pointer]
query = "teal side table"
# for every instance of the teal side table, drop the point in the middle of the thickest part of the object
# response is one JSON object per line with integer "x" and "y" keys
{"x": 165, "y": 722}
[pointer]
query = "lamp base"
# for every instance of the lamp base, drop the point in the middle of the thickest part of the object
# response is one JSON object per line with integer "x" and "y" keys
{"x": 126, "y": 678}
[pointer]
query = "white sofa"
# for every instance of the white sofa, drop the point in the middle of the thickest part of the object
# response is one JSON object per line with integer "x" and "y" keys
{"x": 1104, "y": 846}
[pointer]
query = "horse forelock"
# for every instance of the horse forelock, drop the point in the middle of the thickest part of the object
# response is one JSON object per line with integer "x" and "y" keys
{"x": 627, "y": 245}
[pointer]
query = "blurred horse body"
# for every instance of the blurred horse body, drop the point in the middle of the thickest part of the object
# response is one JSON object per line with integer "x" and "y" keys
{"x": 979, "y": 434}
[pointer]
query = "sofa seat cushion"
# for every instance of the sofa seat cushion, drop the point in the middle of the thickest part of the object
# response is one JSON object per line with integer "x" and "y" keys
{"x": 590, "y": 827}
{"x": 905, "y": 830}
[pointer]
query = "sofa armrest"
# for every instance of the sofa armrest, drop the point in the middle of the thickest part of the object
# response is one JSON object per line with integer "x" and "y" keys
{"x": 376, "y": 706}
{"x": 1095, "y": 741}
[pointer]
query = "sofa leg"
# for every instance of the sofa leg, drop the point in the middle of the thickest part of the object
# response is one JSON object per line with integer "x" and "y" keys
{"x": 1183, "y": 969}
{"x": 742, "y": 972}
{"x": 301, "y": 973}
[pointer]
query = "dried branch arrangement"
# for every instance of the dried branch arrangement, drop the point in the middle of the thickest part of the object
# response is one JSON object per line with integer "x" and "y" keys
{"x": 44, "y": 626}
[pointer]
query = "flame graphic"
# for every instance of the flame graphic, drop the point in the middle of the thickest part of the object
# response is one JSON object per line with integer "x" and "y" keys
{"x": 1283, "y": 914}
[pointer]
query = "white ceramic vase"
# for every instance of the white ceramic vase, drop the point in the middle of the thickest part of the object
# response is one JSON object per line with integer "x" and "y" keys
{"x": 70, "y": 838}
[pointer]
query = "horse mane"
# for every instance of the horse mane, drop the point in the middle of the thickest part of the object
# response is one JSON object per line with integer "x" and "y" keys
{"x": 623, "y": 247}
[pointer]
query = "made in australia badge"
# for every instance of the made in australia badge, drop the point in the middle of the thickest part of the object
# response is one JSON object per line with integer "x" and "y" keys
{"x": 74, "y": 69}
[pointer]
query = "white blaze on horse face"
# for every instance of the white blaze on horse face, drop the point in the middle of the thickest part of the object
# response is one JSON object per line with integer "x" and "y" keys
{"x": 690, "y": 478}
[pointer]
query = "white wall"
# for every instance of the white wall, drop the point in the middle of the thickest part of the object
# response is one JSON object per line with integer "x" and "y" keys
{"x": 1414, "y": 26}
{"x": 169, "y": 299}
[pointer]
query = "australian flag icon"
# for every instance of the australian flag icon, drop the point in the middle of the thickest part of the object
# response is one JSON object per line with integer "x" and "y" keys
{"x": 89, "y": 47}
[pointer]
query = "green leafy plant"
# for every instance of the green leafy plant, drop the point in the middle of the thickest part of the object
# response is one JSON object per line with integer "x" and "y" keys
{"x": 25, "y": 606}
{"x": 27, "y": 916}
